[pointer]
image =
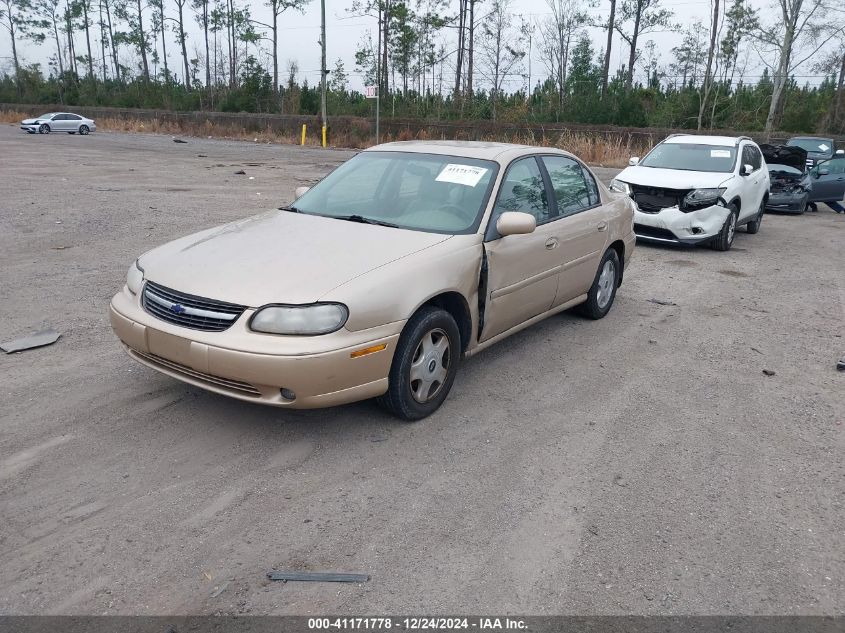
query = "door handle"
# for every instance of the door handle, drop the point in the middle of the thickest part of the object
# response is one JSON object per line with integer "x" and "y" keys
{"x": 602, "y": 226}
{"x": 551, "y": 243}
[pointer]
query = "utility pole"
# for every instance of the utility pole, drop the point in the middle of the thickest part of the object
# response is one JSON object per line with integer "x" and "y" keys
{"x": 324, "y": 71}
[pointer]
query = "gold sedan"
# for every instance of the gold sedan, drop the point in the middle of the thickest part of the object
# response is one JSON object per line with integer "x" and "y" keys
{"x": 377, "y": 281}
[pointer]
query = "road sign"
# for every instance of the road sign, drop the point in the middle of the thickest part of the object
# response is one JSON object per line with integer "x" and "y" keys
{"x": 371, "y": 92}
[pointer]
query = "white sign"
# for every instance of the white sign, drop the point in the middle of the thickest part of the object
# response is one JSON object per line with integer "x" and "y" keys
{"x": 468, "y": 175}
{"x": 720, "y": 153}
{"x": 824, "y": 147}
{"x": 371, "y": 92}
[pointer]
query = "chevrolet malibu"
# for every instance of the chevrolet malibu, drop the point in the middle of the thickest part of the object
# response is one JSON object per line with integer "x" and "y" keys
{"x": 377, "y": 281}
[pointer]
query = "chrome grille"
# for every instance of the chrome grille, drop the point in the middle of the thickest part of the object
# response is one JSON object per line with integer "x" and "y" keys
{"x": 187, "y": 310}
{"x": 218, "y": 381}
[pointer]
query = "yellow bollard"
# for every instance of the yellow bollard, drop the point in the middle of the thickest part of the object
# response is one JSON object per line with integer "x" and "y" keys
{"x": 303, "y": 133}
{"x": 324, "y": 136}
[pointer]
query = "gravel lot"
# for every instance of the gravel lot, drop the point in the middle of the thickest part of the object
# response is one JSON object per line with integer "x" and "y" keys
{"x": 640, "y": 464}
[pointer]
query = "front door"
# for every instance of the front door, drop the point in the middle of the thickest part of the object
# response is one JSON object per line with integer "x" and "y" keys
{"x": 522, "y": 270}
{"x": 830, "y": 186}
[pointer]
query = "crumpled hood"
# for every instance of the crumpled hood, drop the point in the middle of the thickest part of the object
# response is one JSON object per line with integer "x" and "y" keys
{"x": 278, "y": 257}
{"x": 30, "y": 121}
{"x": 672, "y": 178}
{"x": 790, "y": 155}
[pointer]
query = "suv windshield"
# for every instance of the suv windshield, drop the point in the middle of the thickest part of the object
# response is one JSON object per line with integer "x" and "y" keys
{"x": 424, "y": 192}
{"x": 691, "y": 157}
{"x": 814, "y": 145}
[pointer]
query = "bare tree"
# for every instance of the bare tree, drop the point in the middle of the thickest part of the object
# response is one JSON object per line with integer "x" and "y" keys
{"x": 51, "y": 18}
{"x": 557, "y": 33}
{"x": 500, "y": 48}
{"x": 201, "y": 9}
{"x": 711, "y": 51}
{"x": 802, "y": 27}
{"x": 181, "y": 37}
{"x": 641, "y": 17}
{"x": 610, "y": 27}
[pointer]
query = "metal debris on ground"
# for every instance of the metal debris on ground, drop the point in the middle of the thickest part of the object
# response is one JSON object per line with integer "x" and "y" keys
{"x": 315, "y": 576}
{"x": 240, "y": 172}
{"x": 769, "y": 372}
{"x": 37, "y": 339}
{"x": 841, "y": 364}
{"x": 179, "y": 140}
{"x": 663, "y": 302}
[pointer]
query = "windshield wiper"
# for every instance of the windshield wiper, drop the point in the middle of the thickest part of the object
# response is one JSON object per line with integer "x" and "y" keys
{"x": 363, "y": 220}
{"x": 291, "y": 208}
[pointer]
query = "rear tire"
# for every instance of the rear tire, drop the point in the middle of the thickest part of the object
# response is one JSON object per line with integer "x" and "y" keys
{"x": 754, "y": 226}
{"x": 813, "y": 207}
{"x": 424, "y": 365}
{"x": 725, "y": 238}
{"x": 603, "y": 291}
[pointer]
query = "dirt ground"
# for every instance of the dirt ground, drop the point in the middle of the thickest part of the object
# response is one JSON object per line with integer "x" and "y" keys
{"x": 640, "y": 464}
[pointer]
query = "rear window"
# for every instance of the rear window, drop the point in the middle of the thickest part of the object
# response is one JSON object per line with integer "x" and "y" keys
{"x": 815, "y": 145}
{"x": 691, "y": 157}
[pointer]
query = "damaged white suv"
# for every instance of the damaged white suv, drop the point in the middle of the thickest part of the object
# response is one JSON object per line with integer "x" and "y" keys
{"x": 691, "y": 189}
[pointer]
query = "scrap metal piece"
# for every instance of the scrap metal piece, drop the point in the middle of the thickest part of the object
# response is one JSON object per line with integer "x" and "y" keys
{"x": 313, "y": 576}
{"x": 38, "y": 339}
{"x": 841, "y": 364}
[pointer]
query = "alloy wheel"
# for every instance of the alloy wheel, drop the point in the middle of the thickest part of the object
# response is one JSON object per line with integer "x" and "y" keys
{"x": 607, "y": 279}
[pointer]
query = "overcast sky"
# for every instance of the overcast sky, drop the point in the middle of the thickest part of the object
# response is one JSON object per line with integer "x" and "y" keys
{"x": 300, "y": 33}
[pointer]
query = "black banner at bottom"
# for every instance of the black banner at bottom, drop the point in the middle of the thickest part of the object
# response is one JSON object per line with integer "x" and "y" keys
{"x": 531, "y": 624}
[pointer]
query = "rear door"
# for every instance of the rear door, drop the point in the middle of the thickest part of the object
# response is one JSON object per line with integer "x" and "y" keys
{"x": 72, "y": 122}
{"x": 59, "y": 123}
{"x": 582, "y": 225}
{"x": 830, "y": 186}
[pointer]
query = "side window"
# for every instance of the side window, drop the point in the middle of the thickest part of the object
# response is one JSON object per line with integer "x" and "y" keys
{"x": 757, "y": 158}
{"x": 569, "y": 183}
{"x": 523, "y": 190}
{"x": 73, "y": 117}
{"x": 835, "y": 165}
{"x": 59, "y": 117}
{"x": 752, "y": 157}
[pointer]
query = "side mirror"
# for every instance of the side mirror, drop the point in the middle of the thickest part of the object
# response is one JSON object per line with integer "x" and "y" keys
{"x": 299, "y": 191}
{"x": 840, "y": 152}
{"x": 634, "y": 161}
{"x": 746, "y": 170}
{"x": 515, "y": 223}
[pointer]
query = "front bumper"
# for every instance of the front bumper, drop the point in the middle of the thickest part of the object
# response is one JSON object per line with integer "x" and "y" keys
{"x": 788, "y": 202}
{"x": 29, "y": 128}
{"x": 671, "y": 225}
{"x": 254, "y": 367}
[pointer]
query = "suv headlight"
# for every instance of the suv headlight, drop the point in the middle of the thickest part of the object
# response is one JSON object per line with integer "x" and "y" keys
{"x": 700, "y": 198}
{"x": 620, "y": 187}
{"x": 317, "y": 318}
{"x": 135, "y": 278}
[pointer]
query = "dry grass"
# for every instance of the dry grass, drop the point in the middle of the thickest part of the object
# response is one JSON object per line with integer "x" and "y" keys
{"x": 609, "y": 149}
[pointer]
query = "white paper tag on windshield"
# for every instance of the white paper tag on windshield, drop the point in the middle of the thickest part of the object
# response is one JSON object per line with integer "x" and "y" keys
{"x": 468, "y": 175}
{"x": 824, "y": 147}
{"x": 720, "y": 153}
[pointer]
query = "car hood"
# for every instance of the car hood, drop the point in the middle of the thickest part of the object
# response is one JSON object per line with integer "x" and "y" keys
{"x": 672, "y": 178}
{"x": 30, "y": 121}
{"x": 790, "y": 155}
{"x": 278, "y": 257}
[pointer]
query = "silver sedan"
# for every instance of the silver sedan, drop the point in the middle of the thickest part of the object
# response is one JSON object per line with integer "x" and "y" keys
{"x": 59, "y": 122}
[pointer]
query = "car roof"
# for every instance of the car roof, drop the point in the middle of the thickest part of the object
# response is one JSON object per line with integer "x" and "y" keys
{"x": 698, "y": 139}
{"x": 502, "y": 153}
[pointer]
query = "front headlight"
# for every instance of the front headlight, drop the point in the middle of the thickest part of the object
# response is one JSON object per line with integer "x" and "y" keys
{"x": 620, "y": 187}
{"x": 317, "y": 318}
{"x": 135, "y": 278}
{"x": 700, "y": 198}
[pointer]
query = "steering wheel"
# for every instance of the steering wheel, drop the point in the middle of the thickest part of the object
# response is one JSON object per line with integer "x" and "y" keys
{"x": 455, "y": 209}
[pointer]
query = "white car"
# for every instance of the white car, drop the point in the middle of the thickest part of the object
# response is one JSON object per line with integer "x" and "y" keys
{"x": 59, "y": 122}
{"x": 692, "y": 189}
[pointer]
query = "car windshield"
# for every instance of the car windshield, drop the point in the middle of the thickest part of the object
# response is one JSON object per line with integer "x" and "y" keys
{"x": 423, "y": 192}
{"x": 49, "y": 115}
{"x": 691, "y": 157}
{"x": 786, "y": 169}
{"x": 815, "y": 145}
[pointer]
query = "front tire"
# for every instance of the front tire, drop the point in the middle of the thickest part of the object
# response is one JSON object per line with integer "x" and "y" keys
{"x": 603, "y": 291}
{"x": 424, "y": 365}
{"x": 83, "y": 130}
{"x": 43, "y": 129}
{"x": 754, "y": 226}
{"x": 725, "y": 238}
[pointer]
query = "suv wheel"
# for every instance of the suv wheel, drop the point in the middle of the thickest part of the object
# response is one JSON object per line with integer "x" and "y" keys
{"x": 754, "y": 226}
{"x": 725, "y": 238}
{"x": 424, "y": 365}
